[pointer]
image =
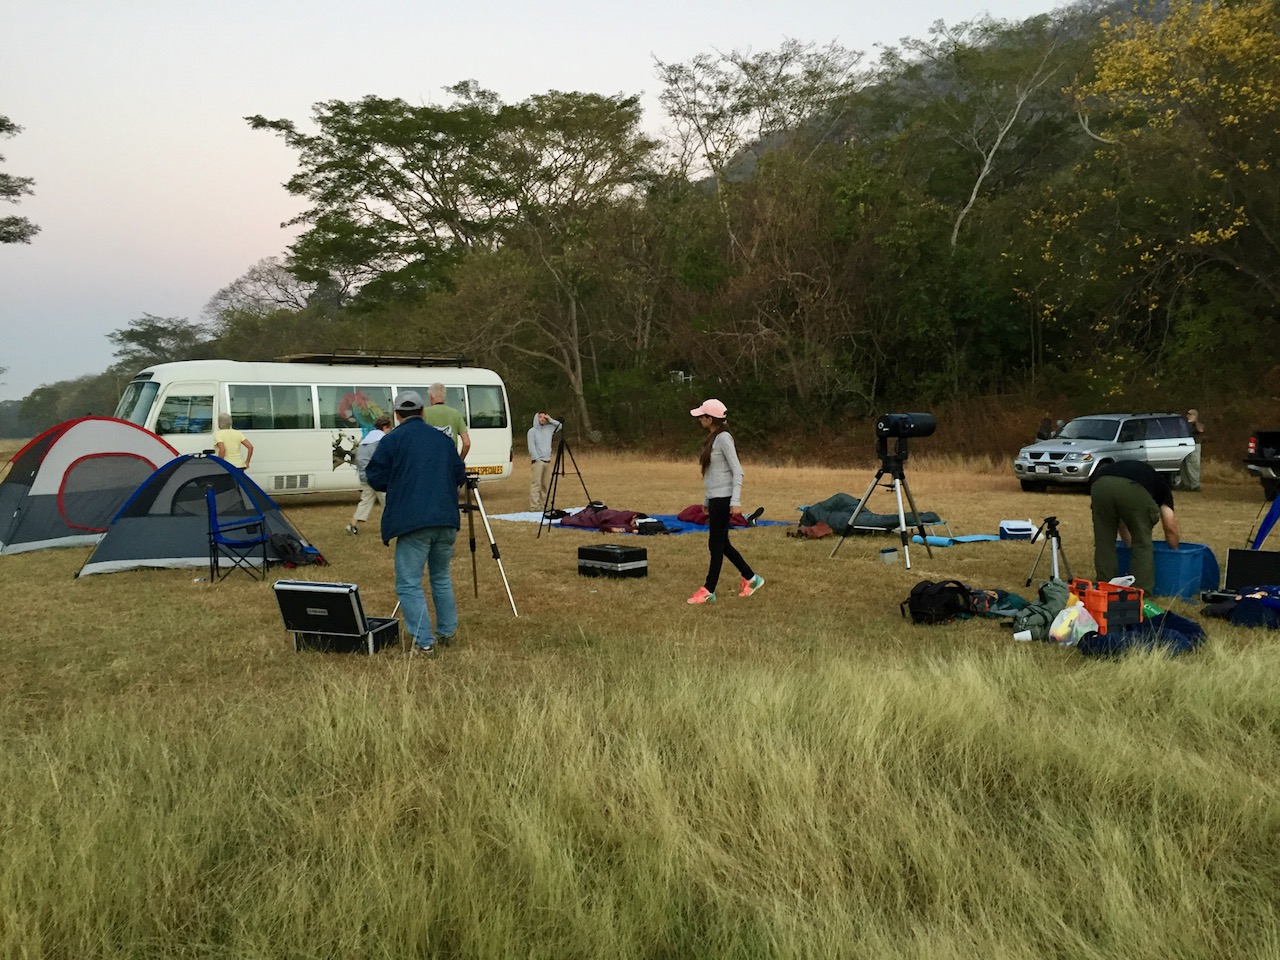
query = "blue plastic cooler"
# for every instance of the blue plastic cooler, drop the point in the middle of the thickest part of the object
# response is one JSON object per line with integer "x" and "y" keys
{"x": 1179, "y": 573}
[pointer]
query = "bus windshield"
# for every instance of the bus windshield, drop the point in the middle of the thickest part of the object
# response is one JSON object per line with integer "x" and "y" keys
{"x": 136, "y": 402}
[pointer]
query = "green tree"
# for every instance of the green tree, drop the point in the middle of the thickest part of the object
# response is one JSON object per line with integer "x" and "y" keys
{"x": 14, "y": 229}
{"x": 264, "y": 288}
{"x": 727, "y": 109}
{"x": 397, "y": 192}
{"x": 979, "y": 105}
{"x": 53, "y": 403}
{"x": 402, "y": 196}
{"x": 150, "y": 339}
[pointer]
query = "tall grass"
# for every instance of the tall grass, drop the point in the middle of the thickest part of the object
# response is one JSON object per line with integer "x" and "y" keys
{"x": 615, "y": 774}
{"x": 658, "y": 805}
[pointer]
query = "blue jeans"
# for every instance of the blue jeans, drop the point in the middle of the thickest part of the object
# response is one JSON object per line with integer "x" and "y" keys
{"x": 430, "y": 548}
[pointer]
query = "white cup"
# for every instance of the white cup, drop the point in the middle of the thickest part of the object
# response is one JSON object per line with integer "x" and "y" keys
{"x": 889, "y": 555}
{"x": 1022, "y": 636}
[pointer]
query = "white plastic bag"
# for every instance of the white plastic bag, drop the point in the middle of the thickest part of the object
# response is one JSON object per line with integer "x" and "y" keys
{"x": 1071, "y": 624}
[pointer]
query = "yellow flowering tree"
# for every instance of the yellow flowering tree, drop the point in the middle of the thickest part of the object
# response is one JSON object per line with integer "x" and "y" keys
{"x": 1162, "y": 247}
{"x": 1194, "y": 94}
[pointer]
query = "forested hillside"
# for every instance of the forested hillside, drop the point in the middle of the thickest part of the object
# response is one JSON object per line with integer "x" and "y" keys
{"x": 1078, "y": 212}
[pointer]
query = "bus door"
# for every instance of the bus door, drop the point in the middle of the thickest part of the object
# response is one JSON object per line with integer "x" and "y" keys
{"x": 184, "y": 415}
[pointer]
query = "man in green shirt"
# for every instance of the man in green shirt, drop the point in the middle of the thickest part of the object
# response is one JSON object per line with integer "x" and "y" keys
{"x": 446, "y": 419}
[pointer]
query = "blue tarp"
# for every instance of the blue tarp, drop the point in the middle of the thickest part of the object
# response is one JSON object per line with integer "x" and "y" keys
{"x": 669, "y": 520}
{"x": 952, "y": 541}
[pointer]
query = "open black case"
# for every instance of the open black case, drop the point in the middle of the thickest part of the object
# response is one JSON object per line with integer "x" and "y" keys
{"x": 329, "y": 617}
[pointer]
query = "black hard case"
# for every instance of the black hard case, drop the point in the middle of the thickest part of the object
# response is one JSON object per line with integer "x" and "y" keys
{"x": 329, "y": 617}
{"x": 611, "y": 560}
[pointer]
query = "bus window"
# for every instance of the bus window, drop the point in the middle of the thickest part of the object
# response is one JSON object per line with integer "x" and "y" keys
{"x": 351, "y": 407}
{"x": 136, "y": 402}
{"x": 273, "y": 407}
{"x": 455, "y": 397}
{"x": 185, "y": 412}
{"x": 487, "y": 408}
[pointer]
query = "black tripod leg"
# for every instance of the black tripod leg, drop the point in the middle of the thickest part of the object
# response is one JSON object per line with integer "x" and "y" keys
{"x": 858, "y": 509}
{"x": 574, "y": 461}
{"x": 549, "y": 501}
{"x": 471, "y": 529}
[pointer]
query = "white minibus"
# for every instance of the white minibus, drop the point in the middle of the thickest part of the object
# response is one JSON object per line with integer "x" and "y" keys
{"x": 305, "y": 417}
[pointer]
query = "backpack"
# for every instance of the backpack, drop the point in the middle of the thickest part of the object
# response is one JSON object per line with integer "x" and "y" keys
{"x": 292, "y": 552}
{"x": 938, "y": 602}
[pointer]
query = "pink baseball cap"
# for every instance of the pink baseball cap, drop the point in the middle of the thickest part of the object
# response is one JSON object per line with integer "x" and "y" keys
{"x": 710, "y": 408}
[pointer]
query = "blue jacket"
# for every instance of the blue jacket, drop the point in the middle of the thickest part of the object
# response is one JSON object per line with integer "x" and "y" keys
{"x": 420, "y": 470}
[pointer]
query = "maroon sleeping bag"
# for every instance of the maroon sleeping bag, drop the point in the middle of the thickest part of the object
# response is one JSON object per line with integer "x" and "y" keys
{"x": 602, "y": 518}
{"x": 697, "y": 513}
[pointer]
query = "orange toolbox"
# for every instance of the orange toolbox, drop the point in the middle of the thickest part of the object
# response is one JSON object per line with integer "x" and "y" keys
{"x": 1112, "y": 606}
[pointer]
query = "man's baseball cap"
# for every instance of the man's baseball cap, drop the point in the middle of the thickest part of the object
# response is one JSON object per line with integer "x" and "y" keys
{"x": 408, "y": 401}
{"x": 710, "y": 408}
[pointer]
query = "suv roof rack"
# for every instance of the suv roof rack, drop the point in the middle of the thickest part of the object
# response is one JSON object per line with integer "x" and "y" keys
{"x": 359, "y": 358}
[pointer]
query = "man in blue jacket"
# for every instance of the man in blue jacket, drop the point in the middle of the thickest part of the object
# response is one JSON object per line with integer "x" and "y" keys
{"x": 419, "y": 469}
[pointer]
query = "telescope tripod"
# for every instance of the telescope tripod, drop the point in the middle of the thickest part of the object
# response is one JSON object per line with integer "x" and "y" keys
{"x": 473, "y": 490}
{"x": 891, "y": 463}
{"x": 558, "y": 470}
{"x": 1052, "y": 539}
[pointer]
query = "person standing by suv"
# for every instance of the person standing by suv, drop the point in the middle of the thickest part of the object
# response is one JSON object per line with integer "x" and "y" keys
{"x": 1128, "y": 498}
{"x": 1190, "y": 470}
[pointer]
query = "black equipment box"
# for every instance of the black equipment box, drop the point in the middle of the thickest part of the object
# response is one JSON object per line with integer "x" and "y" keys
{"x": 610, "y": 560}
{"x": 329, "y": 617}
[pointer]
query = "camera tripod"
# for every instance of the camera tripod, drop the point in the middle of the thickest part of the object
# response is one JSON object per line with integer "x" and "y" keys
{"x": 891, "y": 463}
{"x": 473, "y": 490}
{"x": 558, "y": 470}
{"x": 1052, "y": 539}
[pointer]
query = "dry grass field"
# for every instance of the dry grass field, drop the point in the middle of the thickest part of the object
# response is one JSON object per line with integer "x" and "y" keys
{"x": 122, "y": 629}
{"x": 616, "y": 773}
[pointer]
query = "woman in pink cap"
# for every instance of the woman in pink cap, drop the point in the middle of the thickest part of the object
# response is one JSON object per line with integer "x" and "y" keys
{"x": 722, "y": 477}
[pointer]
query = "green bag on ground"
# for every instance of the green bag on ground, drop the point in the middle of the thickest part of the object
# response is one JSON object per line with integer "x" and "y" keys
{"x": 1037, "y": 617}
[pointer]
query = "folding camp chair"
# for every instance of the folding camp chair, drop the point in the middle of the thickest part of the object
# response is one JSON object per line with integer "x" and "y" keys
{"x": 239, "y": 540}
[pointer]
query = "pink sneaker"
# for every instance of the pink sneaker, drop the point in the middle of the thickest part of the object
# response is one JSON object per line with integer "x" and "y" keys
{"x": 751, "y": 586}
{"x": 702, "y": 595}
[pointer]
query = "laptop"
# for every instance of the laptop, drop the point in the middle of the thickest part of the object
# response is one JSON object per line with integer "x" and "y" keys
{"x": 1246, "y": 568}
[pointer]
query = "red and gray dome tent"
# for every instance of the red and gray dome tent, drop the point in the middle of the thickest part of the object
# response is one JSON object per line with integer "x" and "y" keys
{"x": 63, "y": 488}
{"x": 166, "y": 521}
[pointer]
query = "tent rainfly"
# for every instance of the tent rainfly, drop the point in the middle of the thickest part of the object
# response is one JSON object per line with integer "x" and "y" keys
{"x": 63, "y": 488}
{"x": 166, "y": 522}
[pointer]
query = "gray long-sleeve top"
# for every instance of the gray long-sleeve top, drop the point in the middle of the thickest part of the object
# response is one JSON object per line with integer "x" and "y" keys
{"x": 539, "y": 437}
{"x": 724, "y": 473}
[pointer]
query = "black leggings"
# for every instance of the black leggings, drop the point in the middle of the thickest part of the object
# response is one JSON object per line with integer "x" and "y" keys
{"x": 719, "y": 545}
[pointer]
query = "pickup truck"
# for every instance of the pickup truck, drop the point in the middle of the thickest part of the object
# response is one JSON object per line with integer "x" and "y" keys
{"x": 1263, "y": 460}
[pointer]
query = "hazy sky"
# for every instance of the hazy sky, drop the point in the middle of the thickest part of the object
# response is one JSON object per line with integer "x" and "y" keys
{"x": 153, "y": 193}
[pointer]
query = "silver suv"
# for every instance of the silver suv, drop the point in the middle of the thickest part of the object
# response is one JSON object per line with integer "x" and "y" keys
{"x": 1161, "y": 440}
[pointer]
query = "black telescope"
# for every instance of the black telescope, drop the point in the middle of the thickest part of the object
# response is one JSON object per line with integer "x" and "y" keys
{"x": 906, "y": 425}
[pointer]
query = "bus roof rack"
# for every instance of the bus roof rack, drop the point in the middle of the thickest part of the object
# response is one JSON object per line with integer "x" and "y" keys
{"x": 359, "y": 358}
